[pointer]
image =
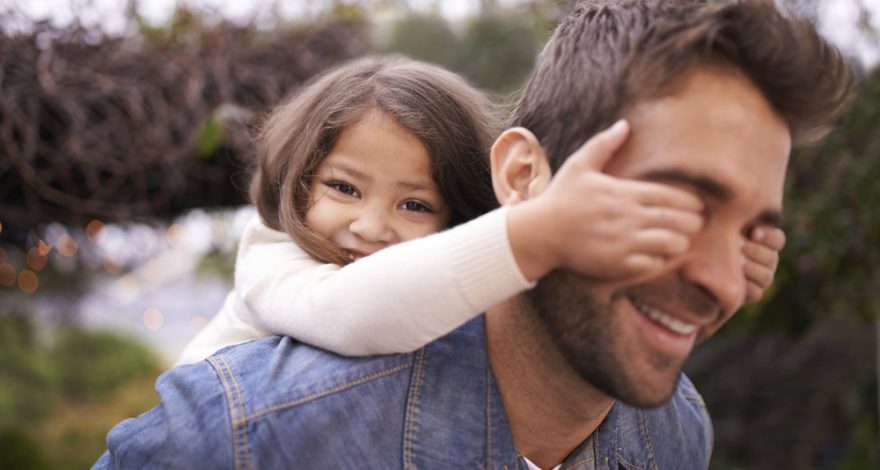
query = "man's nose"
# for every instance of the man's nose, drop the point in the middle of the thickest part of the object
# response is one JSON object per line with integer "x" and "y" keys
{"x": 373, "y": 225}
{"x": 716, "y": 264}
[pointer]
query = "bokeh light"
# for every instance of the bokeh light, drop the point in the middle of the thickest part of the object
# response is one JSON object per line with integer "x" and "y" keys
{"x": 127, "y": 287}
{"x": 36, "y": 260}
{"x": 153, "y": 318}
{"x": 28, "y": 281}
{"x": 44, "y": 248}
{"x": 66, "y": 245}
{"x": 94, "y": 230}
{"x": 218, "y": 232}
{"x": 111, "y": 265}
{"x": 176, "y": 235}
{"x": 7, "y": 275}
{"x": 197, "y": 323}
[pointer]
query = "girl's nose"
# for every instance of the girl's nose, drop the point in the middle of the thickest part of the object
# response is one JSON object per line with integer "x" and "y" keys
{"x": 373, "y": 226}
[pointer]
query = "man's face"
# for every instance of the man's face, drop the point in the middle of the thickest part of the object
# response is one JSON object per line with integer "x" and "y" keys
{"x": 719, "y": 138}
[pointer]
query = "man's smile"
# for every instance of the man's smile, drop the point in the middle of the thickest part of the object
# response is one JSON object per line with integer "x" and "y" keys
{"x": 659, "y": 316}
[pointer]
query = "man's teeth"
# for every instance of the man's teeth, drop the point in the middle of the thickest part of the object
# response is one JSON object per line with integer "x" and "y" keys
{"x": 664, "y": 319}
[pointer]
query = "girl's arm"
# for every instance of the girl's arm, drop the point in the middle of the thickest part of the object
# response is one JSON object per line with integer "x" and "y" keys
{"x": 395, "y": 300}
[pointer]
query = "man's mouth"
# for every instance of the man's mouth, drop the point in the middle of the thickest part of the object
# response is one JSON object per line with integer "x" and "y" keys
{"x": 664, "y": 319}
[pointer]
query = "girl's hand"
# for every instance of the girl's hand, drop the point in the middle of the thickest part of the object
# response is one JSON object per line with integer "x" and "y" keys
{"x": 607, "y": 227}
{"x": 761, "y": 256}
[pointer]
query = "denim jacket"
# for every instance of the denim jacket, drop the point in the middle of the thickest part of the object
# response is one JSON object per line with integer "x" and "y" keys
{"x": 276, "y": 403}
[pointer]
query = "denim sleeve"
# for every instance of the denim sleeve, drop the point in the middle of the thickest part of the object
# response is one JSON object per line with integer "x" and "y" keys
{"x": 189, "y": 428}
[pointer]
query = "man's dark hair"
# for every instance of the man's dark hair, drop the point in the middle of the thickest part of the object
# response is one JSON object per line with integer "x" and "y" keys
{"x": 606, "y": 56}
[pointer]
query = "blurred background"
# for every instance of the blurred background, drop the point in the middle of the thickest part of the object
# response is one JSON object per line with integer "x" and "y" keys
{"x": 125, "y": 150}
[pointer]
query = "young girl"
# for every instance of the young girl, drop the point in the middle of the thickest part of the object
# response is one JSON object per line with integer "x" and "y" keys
{"x": 388, "y": 150}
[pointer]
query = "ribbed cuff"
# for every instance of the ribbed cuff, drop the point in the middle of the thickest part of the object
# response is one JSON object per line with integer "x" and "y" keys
{"x": 484, "y": 263}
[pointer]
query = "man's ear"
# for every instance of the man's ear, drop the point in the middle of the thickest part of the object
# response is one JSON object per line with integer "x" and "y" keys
{"x": 520, "y": 169}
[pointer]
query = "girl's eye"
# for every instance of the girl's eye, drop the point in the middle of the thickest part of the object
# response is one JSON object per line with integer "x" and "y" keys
{"x": 343, "y": 188}
{"x": 415, "y": 206}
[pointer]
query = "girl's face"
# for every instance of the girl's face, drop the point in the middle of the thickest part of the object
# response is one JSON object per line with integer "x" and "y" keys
{"x": 375, "y": 189}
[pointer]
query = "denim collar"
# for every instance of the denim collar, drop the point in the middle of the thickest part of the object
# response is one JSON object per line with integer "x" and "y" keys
{"x": 454, "y": 403}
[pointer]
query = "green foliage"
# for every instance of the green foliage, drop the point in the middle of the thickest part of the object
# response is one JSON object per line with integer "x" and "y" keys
{"x": 497, "y": 51}
{"x": 41, "y": 380}
{"x": 427, "y": 38}
{"x": 79, "y": 364}
{"x": 28, "y": 379}
{"x": 210, "y": 136}
{"x": 20, "y": 451}
{"x": 92, "y": 364}
{"x": 177, "y": 33}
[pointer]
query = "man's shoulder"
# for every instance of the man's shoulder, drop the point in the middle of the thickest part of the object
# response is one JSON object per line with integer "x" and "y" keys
{"x": 279, "y": 371}
{"x": 238, "y": 405}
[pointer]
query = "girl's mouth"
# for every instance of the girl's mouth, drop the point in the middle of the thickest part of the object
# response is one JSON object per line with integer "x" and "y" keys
{"x": 354, "y": 255}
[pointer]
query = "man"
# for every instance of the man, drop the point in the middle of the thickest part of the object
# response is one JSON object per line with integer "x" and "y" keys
{"x": 577, "y": 372}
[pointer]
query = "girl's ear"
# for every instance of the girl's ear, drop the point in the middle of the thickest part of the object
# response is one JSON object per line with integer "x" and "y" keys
{"x": 519, "y": 166}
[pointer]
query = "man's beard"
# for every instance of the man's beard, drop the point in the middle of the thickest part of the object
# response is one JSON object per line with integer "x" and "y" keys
{"x": 590, "y": 334}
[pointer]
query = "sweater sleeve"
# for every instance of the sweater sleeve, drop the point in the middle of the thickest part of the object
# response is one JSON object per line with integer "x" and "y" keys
{"x": 395, "y": 300}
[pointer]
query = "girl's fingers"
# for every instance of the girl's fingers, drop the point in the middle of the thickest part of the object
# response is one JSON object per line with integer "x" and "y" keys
{"x": 670, "y": 218}
{"x": 657, "y": 242}
{"x": 771, "y": 237}
{"x": 754, "y": 292}
{"x": 761, "y": 254}
{"x": 658, "y": 194}
{"x": 640, "y": 264}
{"x": 758, "y": 274}
{"x": 595, "y": 152}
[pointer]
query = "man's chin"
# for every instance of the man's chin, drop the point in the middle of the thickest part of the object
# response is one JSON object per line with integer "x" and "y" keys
{"x": 643, "y": 390}
{"x": 648, "y": 396}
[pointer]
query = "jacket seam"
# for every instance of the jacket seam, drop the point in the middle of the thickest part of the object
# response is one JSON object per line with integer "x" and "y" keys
{"x": 244, "y": 442}
{"x": 230, "y": 399}
{"x": 329, "y": 391}
{"x": 649, "y": 446}
{"x": 629, "y": 465}
{"x": 417, "y": 377}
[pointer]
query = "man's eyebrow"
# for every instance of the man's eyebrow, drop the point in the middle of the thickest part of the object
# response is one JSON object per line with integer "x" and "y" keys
{"x": 702, "y": 184}
{"x": 711, "y": 188}
{"x": 770, "y": 217}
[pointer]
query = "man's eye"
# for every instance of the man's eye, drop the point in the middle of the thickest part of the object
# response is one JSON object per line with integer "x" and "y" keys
{"x": 343, "y": 188}
{"x": 415, "y": 206}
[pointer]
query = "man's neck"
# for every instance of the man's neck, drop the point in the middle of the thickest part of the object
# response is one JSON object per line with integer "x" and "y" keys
{"x": 550, "y": 409}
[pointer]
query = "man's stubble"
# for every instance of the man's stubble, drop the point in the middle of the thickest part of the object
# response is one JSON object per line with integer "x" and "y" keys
{"x": 592, "y": 336}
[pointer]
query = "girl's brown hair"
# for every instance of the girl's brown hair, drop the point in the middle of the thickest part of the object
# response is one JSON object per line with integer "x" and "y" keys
{"x": 452, "y": 120}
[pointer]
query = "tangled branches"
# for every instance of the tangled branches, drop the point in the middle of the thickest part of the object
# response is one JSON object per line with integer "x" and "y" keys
{"x": 128, "y": 128}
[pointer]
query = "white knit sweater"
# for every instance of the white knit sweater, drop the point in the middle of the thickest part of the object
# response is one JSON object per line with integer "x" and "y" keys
{"x": 395, "y": 300}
